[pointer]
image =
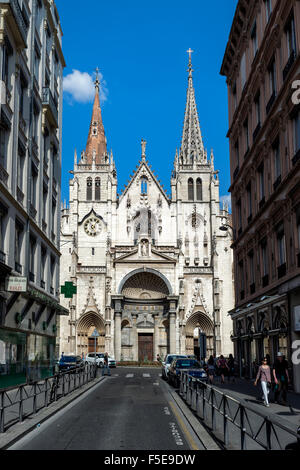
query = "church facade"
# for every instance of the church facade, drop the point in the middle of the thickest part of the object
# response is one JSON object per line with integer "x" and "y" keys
{"x": 153, "y": 273}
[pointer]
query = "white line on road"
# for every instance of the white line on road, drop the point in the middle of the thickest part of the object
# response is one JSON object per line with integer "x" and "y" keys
{"x": 146, "y": 375}
{"x": 129, "y": 376}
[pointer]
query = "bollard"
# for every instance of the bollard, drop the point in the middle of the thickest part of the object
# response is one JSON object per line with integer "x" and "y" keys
{"x": 21, "y": 405}
{"x": 34, "y": 398}
{"x": 2, "y": 413}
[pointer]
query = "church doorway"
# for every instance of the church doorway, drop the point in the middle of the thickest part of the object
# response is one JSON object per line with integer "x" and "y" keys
{"x": 85, "y": 328}
{"x": 145, "y": 346}
{"x": 199, "y": 336}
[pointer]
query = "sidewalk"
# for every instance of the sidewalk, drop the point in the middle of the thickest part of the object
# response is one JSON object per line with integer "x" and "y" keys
{"x": 245, "y": 389}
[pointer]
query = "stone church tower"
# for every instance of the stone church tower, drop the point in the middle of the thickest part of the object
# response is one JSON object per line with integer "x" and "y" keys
{"x": 153, "y": 273}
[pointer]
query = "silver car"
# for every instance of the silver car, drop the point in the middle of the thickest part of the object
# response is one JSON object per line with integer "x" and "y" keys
{"x": 167, "y": 362}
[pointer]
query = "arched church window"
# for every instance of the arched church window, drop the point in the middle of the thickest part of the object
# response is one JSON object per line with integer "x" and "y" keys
{"x": 199, "y": 189}
{"x": 191, "y": 189}
{"x": 144, "y": 186}
{"x": 97, "y": 189}
{"x": 89, "y": 189}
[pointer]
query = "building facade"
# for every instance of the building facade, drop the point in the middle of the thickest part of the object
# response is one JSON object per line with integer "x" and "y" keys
{"x": 152, "y": 272}
{"x": 31, "y": 66}
{"x": 261, "y": 63}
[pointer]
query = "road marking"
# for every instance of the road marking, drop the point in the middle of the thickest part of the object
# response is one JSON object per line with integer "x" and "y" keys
{"x": 176, "y": 434}
{"x": 166, "y": 410}
{"x": 156, "y": 383}
{"x": 129, "y": 376}
{"x": 184, "y": 428}
{"x": 146, "y": 375}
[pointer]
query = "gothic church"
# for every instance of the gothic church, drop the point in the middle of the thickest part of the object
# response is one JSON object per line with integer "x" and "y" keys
{"x": 153, "y": 273}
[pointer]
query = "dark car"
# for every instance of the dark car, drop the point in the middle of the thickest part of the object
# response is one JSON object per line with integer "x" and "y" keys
{"x": 70, "y": 362}
{"x": 191, "y": 366}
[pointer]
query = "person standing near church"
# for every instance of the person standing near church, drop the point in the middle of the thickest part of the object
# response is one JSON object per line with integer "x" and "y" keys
{"x": 281, "y": 377}
{"x": 106, "y": 364}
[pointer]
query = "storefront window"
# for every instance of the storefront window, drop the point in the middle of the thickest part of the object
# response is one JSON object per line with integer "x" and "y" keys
{"x": 12, "y": 358}
{"x": 41, "y": 357}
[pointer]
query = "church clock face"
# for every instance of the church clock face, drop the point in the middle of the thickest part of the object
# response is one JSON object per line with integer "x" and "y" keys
{"x": 92, "y": 226}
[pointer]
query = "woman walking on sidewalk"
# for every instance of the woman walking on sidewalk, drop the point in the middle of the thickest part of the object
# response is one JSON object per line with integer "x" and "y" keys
{"x": 211, "y": 369}
{"x": 264, "y": 374}
{"x": 223, "y": 367}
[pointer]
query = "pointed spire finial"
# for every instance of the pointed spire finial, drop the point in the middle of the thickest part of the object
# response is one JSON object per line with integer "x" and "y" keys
{"x": 97, "y": 81}
{"x": 190, "y": 69}
{"x": 143, "y": 143}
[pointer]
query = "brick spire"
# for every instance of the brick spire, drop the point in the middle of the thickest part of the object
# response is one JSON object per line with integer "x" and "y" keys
{"x": 96, "y": 143}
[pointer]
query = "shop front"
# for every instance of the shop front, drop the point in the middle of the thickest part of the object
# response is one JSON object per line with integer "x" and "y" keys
{"x": 25, "y": 357}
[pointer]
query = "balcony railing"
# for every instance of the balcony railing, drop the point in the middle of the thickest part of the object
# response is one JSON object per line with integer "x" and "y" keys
{"x": 2, "y": 257}
{"x": 49, "y": 103}
{"x": 18, "y": 17}
{"x": 20, "y": 196}
{"x": 289, "y": 65}
{"x": 3, "y": 175}
{"x": 18, "y": 267}
{"x": 32, "y": 211}
{"x": 43, "y": 284}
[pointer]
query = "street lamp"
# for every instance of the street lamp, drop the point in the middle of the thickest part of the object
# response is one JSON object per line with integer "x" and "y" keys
{"x": 225, "y": 227}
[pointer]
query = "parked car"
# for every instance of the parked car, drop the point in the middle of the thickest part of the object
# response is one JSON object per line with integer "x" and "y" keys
{"x": 167, "y": 362}
{"x": 70, "y": 362}
{"x": 112, "y": 362}
{"x": 191, "y": 366}
{"x": 90, "y": 359}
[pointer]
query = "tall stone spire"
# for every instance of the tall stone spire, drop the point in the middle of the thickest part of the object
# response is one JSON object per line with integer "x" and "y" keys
{"x": 192, "y": 145}
{"x": 96, "y": 143}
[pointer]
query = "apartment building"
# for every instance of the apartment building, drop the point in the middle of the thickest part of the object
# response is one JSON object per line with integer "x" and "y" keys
{"x": 31, "y": 67}
{"x": 261, "y": 63}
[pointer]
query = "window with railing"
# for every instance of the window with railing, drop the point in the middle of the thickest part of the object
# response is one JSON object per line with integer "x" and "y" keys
{"x": 281, "y": 250}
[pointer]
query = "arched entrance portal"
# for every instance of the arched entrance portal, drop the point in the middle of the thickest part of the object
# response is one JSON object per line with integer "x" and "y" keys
{"x": 199, "y": 328}
{"x": 85, "y": 327}
{"x": 143, "y": 308}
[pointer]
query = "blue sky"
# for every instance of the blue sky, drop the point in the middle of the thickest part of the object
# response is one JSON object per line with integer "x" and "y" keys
{"x": 140, "y": 48}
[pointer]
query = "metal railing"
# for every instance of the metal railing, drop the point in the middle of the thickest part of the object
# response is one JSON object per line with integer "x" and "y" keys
{"x": 235, "y": 423}
{"x": 19, "y": 403}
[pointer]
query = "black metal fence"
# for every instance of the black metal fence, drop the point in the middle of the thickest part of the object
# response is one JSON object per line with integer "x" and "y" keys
{"x": 19, "y": 403}
{"x": 236, "y": 424}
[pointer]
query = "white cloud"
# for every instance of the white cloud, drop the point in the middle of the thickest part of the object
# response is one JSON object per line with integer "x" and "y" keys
{"x": 226, "y": 200}
{"x": 81, "y": 88}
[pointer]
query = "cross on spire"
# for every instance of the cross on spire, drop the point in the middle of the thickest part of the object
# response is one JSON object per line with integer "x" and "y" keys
{"x": 97, "y": 81}
{"x": 190, "y": 51}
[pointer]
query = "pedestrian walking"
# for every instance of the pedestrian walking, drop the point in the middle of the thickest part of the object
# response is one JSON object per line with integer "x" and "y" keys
{"x": 264, "y": 375}
{"x": 223, "y": 367}
{"x": 106, "y": 365}
{"x": 281, "y": 377}
{"x": 211, "y": 369}
{"x": 158, "y": 358}
{"x": 230, "y": 364}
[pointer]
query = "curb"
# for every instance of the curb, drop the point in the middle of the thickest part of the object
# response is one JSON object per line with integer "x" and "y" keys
{"x": 202, "y": 434}
{"x": 19, "y": 430}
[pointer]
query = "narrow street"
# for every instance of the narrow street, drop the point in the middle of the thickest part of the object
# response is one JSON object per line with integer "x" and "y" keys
{"x": 131, "y": 410}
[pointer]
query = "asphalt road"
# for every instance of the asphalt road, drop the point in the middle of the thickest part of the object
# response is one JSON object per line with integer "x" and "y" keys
{"x": 131, "y": 410}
